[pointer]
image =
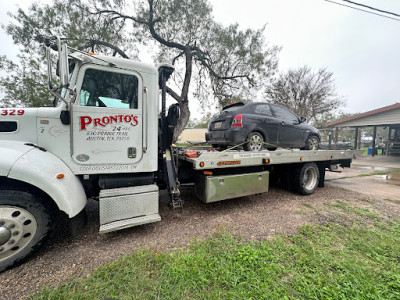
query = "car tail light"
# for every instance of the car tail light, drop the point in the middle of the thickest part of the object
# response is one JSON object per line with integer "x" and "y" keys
{"x": 237, "y": 121}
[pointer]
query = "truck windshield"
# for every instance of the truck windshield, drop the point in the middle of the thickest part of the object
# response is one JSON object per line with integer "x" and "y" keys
{"x": 109, "y": 89}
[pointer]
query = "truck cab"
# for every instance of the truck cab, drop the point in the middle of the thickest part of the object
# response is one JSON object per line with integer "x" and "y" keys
{"x": 100, "y": 140}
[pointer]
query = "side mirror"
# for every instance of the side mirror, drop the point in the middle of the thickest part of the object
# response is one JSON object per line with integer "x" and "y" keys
{"x": 303, "y": 119}
{"x": 49, "y": 69}
{"x": 62, "y": 69}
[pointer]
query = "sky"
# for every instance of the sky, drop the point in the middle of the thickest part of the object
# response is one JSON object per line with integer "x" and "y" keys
{"x": 362, "y": 50}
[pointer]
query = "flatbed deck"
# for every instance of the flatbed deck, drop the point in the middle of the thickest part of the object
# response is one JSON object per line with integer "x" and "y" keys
{"x": 206, "y": 160}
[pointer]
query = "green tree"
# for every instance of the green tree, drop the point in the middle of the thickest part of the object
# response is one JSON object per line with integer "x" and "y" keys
{"x": 210, "y": 60}
{"x": 307, "y": 93}
{"x": 25, "y": 82}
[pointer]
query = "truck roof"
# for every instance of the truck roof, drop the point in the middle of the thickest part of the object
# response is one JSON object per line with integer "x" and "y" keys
{"x": 122, "y": 63}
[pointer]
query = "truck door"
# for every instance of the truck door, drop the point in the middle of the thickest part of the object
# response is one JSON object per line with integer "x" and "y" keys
{"x": 107, "y": 117}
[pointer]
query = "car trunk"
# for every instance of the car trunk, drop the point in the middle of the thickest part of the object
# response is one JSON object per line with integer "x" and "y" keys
{"x": 221, "y": 122}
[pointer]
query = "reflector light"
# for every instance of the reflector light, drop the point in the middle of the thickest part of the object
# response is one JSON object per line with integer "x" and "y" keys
{"x": 60, "y": 176}
{"x": 201, "y": 164}
{"x": 237, "y": 121}
{"x": 208, "y": 173}
{"x": 301, "y": 159}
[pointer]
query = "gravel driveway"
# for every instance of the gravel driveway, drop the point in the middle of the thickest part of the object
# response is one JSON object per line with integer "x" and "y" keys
{"x": 253, "y": 217}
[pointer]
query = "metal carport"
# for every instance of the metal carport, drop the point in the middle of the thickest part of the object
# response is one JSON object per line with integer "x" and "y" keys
{"x": 388, "y": 116}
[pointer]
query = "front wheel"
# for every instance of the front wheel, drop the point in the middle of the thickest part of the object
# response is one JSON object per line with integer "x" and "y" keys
{"x": 312, "y": 143}
{"x": 255, "y": 142}
{"x": 24, "y": 225}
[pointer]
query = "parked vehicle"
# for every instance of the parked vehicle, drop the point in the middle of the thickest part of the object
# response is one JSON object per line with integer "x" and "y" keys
{"x": 259, "y": 124}
{"x": 339, "y": 146}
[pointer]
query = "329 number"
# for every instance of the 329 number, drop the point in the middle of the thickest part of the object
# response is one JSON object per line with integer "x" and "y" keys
{"x": 12, "y": 112}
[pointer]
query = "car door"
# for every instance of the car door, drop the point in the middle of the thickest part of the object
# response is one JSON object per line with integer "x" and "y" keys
{"x": 267, "y": 122}
{"x": 107, "y": 118}
{"x": 289, "y": 132}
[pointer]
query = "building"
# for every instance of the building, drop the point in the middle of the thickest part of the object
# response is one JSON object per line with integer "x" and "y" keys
{"x": 388, "y": 116}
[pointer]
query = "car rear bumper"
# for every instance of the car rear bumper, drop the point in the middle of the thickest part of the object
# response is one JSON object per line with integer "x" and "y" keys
{"x": 226, "y": 137}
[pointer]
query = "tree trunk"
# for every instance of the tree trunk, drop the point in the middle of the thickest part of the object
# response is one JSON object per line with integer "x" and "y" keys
{"x": 183, "y": 119}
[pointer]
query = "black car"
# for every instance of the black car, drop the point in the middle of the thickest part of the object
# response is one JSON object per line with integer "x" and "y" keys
{"x": 259, "y": 124}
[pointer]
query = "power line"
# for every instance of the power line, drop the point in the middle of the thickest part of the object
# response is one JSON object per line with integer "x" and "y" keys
{"x": 363, "y": 10}
{"x": 372, "y": 8}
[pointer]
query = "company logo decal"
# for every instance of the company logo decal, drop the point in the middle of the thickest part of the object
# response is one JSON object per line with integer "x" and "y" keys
{"x": 86, "y": 121}
{"x": 229, "y": 163}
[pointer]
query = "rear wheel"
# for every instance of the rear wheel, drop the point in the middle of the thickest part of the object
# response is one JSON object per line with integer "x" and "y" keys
{"x": 307, "y": 178}
{"x": 24, "y": 224}
{"x": 254, "y": 142}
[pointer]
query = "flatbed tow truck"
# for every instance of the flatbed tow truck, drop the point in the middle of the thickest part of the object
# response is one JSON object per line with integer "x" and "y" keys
{"x": 105, "y": 139}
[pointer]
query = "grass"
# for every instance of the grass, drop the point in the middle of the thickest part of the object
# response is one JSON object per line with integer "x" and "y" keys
{"x": 356, "y": 261}
{"x": 392, "y": 200}
{"x": 392, "y": 171}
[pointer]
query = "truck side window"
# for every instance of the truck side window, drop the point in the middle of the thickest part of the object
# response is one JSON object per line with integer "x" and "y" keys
{"x": 109, "y": 89}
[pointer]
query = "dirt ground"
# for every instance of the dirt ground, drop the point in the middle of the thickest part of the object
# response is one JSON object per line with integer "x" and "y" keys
{"x": 253, "y": 217}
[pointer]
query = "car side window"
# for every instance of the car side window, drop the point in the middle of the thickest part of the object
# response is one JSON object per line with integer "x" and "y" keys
{"x": 263, "y": 109}
{"x": 284, "y": 114}
{"x": 109, "y": 89}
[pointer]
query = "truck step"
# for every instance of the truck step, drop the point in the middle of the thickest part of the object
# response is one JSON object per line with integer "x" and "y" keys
{"x": 117, "y": 225}
{"x": 126, "y": 207}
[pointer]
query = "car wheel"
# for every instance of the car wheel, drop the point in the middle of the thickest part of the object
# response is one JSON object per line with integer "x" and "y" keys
{"x": 24, "y": 225}
{"x": 255, "y": 142}
{"x": 312, "y": 143}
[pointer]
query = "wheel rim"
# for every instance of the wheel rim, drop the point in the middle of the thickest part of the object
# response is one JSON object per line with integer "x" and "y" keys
{"x": 255, "y": 143}
{"x": 17, "y": 229}
{"x": 310, "y": 178}
{"x": 313, "y": 143}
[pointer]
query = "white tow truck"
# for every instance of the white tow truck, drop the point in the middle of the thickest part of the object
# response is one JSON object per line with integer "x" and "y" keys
{"x": 105, "y": 139}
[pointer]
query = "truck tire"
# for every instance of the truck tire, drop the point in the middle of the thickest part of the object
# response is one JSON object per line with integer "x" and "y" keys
{"x": 24, "y": 225}
{"x": 307, "y": 178}
{"x": 255, "y": 142}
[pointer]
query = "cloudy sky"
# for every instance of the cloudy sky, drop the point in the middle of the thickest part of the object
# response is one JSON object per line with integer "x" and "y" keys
{"x": 361, "y": 49}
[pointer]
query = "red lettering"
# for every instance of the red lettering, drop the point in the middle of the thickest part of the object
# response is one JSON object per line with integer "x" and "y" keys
{"x": 127, "y": 119}
{"x": 97, "y": 122}
{"x": 106, "y": 120}
{"x": 113, "y": 119}
{"x": 85, "y": 120}
{"x": 135, "y": 121}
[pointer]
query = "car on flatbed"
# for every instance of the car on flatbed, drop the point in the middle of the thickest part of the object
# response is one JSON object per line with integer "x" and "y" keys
{"x": 259, "y": 125}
